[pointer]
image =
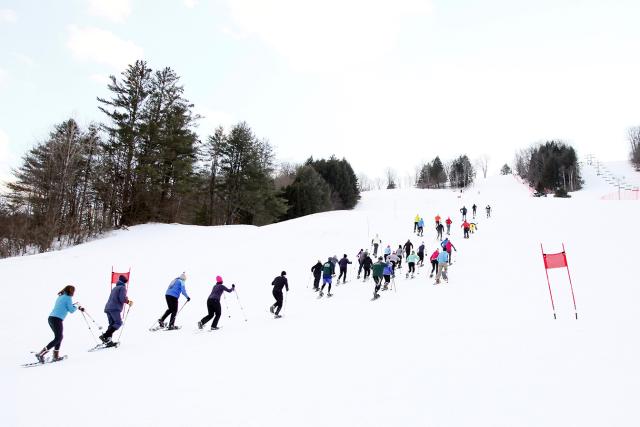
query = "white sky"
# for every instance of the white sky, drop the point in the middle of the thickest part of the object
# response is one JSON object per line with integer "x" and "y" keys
{"x": 382, "y": 83}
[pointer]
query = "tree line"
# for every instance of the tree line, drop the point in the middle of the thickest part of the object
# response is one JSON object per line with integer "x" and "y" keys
{"x": 146, "y": 163}
{"x": 551, "y": 166}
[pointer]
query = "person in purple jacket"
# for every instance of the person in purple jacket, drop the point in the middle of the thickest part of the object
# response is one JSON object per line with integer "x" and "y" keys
{"x": 173, "y": 293}
{"x": 117, "y": 299}
{"x": 213, "y": 304}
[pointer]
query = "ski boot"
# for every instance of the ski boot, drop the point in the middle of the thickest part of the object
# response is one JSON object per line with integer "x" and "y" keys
{"x": 56, "y": 355}
{"x": 329, "y": 294}
{"x": 214, "y": 328}
{"x": 172, "y": 327}
{"x": 271, "y": 309}
{"x": 200, "y": 325}
{"x": 160, "y": 323}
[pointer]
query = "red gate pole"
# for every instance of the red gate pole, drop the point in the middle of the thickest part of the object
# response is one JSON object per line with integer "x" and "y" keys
{"x": 553, "y": 306}
{"x": 570, "y": 284}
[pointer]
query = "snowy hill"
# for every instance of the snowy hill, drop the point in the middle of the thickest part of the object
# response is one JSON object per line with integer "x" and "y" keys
{"x": 482, "y": 350}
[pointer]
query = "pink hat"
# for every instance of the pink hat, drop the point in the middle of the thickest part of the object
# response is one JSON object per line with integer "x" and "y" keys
{"x": 218, "y": 279}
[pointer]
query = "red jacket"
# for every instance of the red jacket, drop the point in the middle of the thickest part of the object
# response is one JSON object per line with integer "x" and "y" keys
{"x": 434, "y": 255}
{"x": 448, "y": 221}
{"x": 438, "y": 218}
{"x": 465, "y": 224}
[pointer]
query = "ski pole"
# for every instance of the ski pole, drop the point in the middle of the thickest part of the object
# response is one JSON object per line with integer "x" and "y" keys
{"x": 91, "y": 318}
{"x": 240, "y": 304}
{"x": 185, "y": 303}
{"x": 89, "y": 326}
{"x": 226, "y": 307}
{"x": 284, "y": 304}
{"x": 124, "y": 322}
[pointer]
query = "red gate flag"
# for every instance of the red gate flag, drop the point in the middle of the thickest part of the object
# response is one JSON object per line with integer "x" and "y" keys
{"x": 558, "y": 260}
{"x": 555, "y": 260}
{"x": 115, "y": 276}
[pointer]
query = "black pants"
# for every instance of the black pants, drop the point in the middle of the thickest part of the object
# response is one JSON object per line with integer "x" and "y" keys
{"x": 421, "y": 256}
{"x": 360, "y": 269}
{"x": 215, "y": 309}
{"x": 279, "y": 298}
{"x": 343, "y": 273}
{"x": 434, "y": 265}
{"x": 55, "y": 323}
{"x": 387, "y": 279}
{"x": 375, "y": 250}
{"x": 466, "y": 233}
{"x": 367, "y": 272}
{"x": 316, "y": 282}
{"x": 412, "y": 267}
{"x": 172, "y": 304}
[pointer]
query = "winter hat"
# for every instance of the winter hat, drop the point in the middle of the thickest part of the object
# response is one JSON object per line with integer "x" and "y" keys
{"x": 183, "y": 276}
{"x": 122, "y": 278}
{"x": 284, "y": 273}
{"x": 218, "y": 279}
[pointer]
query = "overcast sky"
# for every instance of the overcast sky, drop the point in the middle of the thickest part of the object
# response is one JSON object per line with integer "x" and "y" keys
{"x": 382, "y": 83}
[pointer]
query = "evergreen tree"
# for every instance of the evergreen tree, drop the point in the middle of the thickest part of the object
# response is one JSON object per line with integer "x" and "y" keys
{"x": 341, "y": 178}
{"x": 308, "y": 194}
{"x": 506, "y": 170}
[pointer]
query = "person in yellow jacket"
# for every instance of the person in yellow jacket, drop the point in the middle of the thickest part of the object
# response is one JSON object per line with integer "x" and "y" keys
{"x": 473, "y": 227}
{"x": 416, "y": 220}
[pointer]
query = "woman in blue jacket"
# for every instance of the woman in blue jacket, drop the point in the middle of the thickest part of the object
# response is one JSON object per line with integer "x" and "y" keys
{"x": 62, "y": 307}
{"x": 173, "y": 293}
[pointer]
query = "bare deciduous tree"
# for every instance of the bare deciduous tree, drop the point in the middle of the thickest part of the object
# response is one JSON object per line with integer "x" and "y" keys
{"x": 634, "y": 141}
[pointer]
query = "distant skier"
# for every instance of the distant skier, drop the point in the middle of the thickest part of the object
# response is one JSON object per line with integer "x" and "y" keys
{"x": 463, "y": 211}
{"x": 327, "y": 270}
{"x": 421, "y": 227}
{"x": 438, "y": 218}
{"x": 376, "y": 242}
{"x": 117, "y": 299}
{"x": 448, "y": 222}
{"x": 214, "y": 309}
{"x": 344, "y": 262}
{"x": 416, "y": 220}
{"x": 473, "y": 209}
{"x": 367, "y": 263}
{"x": 408, "y": 247}
{"x": 465, "y": 227}
{"x": 434, "y": 262}
{"x": 279, "y": 283}
{"x": 172, "y": 295}
{"x": 443, "y": 261}
{"x": 439, "y": 231}
{"x": 61, "y": 308}
{"x": 421, "y": 253}
{"x": 317, "y": 272}
{"x": 378, "y": 272}
{"x": 488, "y": 209}
{"x": 411, "y": 261}
{"x": 387, "y": 252}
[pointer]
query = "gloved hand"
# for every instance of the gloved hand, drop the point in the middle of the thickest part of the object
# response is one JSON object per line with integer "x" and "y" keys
{"x": 80, "y": 308}
{"x": 130, "y": 303}
{"x": 188, "y": 299}
{"x": 233, "y": 286}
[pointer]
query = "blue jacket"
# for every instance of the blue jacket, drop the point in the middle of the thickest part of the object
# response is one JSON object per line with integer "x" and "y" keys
{"x": 388, "y": 270}
{"x": 443, "y": 257}
{"x": 421, "y": 223}
{"x": 63, "y": 306}
{"x": 176, "y": 288}
{"x": 117, "y": 298}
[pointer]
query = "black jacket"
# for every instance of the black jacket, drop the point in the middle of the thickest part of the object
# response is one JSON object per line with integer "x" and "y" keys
{"x": 279, "y": 283}
{"x": 317, "y": 270}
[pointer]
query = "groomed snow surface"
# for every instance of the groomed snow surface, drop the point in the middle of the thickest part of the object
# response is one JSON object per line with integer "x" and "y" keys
{"x": 482, "y": 350}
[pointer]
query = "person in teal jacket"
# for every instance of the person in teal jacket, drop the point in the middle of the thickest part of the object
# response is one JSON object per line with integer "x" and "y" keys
{"x": 62, "y": 307}
{"x": 412, "y": 260}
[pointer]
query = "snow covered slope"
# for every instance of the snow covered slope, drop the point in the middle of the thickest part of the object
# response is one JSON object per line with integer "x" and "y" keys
{"x": 482, "y": 350}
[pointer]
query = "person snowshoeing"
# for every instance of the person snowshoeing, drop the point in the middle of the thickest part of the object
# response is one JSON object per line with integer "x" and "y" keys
{"x": 438, "y": 218}
{"x": 411, "y": 261}
{"x": 421, "y": 253}
{"x": 61, "y": 308}
{"x": 117, "y": 299}
{"x": 387, "y": 273}
{"x": 214, "y": 309}
{"x": 466, "y": 227}
{"x": 344, "y": 262}
{"x": 408, "y": 247}
{"x": 375, "y": 243}
{"x": 367, "y": 263}
{"x": 473, "y": 209}
{"x": 279, "y": 283}
{"x": 360, "y": 258}
{"x": 387, "y": 252}
{"x": 434, "y": 262}
{"x": 463, "y": 211}
{"x": 448, "y": 246}
{"x": 488, "y": 209}
{"x": 378, "y": 272}
{"x": 172, "y": 295}
{"x": 421, "y": 227}
{"x": 327, "y": 270}
{"x": 443, "y": 262}
{"x": 399, "y": 254}
{"x": 416, "y": 220}
{"x": 439, "y": 230}
{"x": 448, "y": 222}
{"x": 317, "y": 273}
